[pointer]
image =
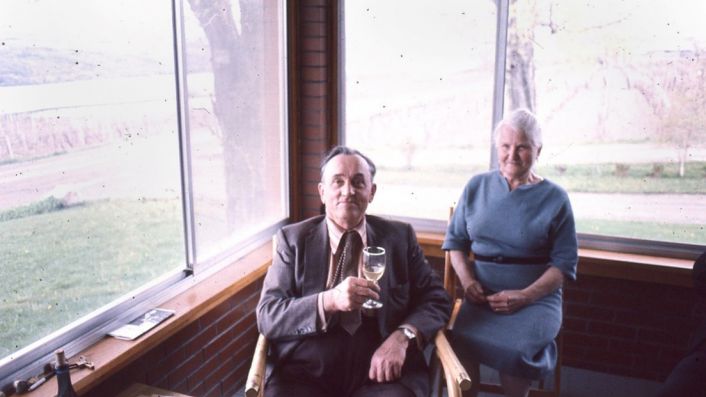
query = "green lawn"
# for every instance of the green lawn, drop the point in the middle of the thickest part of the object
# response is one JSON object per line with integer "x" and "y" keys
{"x": 664, "y": 231}
{"x": 60, "y": 265}
{"x": 589, "y": 178}
{"x": 637, "y": 178}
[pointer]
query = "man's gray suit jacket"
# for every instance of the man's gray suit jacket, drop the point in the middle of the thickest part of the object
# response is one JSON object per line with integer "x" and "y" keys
{"x": 410, "y": 291}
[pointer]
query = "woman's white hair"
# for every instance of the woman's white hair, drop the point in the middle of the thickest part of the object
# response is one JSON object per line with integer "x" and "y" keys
{"x": 523, "y": 120}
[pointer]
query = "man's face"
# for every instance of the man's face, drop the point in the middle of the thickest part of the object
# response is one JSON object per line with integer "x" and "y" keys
{"x": 346, "y": 190}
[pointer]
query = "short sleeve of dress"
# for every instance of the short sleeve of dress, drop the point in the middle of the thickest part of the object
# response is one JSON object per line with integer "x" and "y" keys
{"x": 564, "y": 250}
{"x": 457, "y": 238}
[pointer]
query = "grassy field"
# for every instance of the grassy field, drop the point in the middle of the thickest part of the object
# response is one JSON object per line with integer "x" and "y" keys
{"x": 635, "y": 178}
{"x": 589, "y": 178}
{"x": 62, "y": 264}
{"x": 665, "y": 231}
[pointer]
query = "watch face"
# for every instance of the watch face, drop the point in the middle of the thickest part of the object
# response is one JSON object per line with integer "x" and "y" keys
{"x": 409, "y": 334}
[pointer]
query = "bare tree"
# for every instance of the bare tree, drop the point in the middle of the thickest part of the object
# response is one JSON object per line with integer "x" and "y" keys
{"x": 675, "y": 90}
{"x": 237, "y": 56}
{"x": 684, "y": 121}
{"x": 520, "y": 55}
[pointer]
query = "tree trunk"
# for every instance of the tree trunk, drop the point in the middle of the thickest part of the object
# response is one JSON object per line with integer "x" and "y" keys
{"x": 237, "y": 62}
{"x": 520, "y": 57}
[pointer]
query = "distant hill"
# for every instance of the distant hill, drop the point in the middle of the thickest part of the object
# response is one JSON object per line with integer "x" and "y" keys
{"x": 41, "y": 65}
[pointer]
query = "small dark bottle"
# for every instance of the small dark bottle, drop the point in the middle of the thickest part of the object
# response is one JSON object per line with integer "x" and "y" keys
{"x": 63, "y": 378}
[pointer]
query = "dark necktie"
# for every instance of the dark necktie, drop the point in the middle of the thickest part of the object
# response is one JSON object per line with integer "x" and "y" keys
{"x": 346, "y": 257}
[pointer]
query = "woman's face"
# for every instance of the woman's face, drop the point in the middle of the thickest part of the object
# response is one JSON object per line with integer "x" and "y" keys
{"x": 516, "y": 155}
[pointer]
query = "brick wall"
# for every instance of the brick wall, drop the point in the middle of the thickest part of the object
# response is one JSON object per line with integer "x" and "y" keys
{"x": 210, "y": 357}
{"x": 628, "y": 328}
{"x": 316, "y": 77}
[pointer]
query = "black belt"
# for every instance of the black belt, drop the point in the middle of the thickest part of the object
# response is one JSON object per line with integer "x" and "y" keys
{"x": 513, "y": 260}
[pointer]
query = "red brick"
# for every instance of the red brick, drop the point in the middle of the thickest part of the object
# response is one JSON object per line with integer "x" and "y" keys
{"x": 315, "y": 146}
{"x": 214, "y": 391}
{"x": 179, "y": 339}
{"x": 180, "y": 387}
{"x": 214, "y": 314}
{"x": 314, "y": 14}
{"x": 314, "y": 44}
{"x": 313, "y": 58}
{"x": 588, "y": 312}
{"x": 577, "y": 295}
{"x": 196, "y": 389}
{"x": 186, "y": 368}
{"x": 611, "y": 330}
{"x": 663, "y": 338}
{"x": 232, "y": 382}
{"x": 314, "y": 142}
{"x": 577, "y": 339}
{"x": 315, "y": 74}
{"x": 616, "y": 300}
{"x": 199, "y": 341}
{"x": 312, "y": 176}
{"x": 609, "y": 357}
{"x": 574, "y": 324}
{"x": 321, "y": 3}
{"x": 203, "y": 371}
{"x": 313, "y": 118}
{"x": 314, "y": 89}
{"x": 313, "y": 29}
{"x": 216, "y": 344}
{"x": 225, "y": 367}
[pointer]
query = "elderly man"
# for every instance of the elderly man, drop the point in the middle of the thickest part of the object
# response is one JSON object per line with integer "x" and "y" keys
{"x": 322, "y": 343}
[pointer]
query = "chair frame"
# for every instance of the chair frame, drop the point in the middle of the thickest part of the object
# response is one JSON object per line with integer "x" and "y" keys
{"x": 450, "y": 369}
{"x": 451, "y": 287}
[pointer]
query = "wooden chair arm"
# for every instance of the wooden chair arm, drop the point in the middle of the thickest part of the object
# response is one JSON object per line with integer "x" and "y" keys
{"x": 254, "y": 386}
{"x": 457, "y": 379}
{"x": 454, "y": 314}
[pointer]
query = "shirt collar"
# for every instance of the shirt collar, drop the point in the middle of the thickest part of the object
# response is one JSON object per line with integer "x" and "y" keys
{"x": 335, "y": 233}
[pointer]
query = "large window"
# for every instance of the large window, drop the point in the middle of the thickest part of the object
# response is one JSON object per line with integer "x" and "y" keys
{"x": 621, "y": 95}
{"x": 236, "y": 116}
{"x": 422, "y": 109}
{"x": 122, "y": 171}
{"x": 619, "y": 89}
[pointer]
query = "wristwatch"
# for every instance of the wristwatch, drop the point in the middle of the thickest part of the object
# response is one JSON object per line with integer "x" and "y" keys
{"x": 408, "y": 333}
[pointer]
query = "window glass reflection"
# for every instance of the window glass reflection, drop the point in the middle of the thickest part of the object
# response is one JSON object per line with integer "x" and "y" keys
{"x": 90, "y": 204}
{"x": 621, "y": 90}
{"x": 422, "y": 109}
{"x": 236, "y": 119}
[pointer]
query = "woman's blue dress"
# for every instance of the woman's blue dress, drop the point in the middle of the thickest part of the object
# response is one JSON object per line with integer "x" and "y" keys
{"x": 534, "y": 220}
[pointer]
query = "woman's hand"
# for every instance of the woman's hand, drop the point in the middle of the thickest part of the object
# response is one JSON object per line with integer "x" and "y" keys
{"x": 507, "y": 302}
{"x": 473, "y": 291}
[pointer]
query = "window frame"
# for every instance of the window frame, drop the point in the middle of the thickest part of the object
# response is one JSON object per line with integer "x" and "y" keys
{"x": 89, "y": 329}
{"x": 586, "y": 240}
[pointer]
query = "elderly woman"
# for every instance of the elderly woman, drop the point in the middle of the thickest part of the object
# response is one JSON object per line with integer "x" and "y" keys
{"x": 520, "y": 228}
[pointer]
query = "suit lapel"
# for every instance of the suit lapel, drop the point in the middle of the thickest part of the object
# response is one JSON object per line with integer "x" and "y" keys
{"x": 317, "y": 260}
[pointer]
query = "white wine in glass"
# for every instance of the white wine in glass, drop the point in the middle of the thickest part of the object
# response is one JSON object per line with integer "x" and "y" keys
{"x": 373, "y": 268}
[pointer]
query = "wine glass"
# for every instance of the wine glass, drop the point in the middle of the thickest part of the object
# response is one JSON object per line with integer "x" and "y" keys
{"x": 373, "y": 268}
